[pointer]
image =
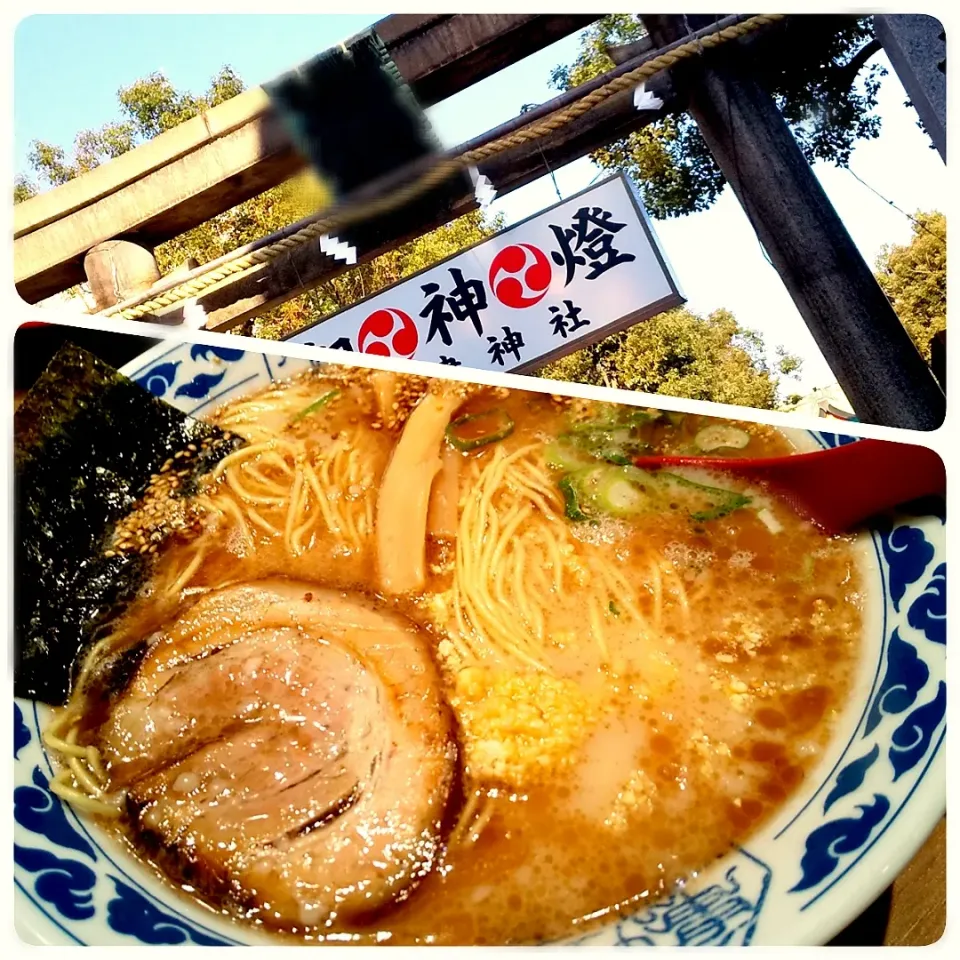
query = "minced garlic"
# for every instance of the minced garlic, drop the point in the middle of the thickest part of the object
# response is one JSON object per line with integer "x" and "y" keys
{"x": 636, "y": 796}
{"x": 518, "y": 728}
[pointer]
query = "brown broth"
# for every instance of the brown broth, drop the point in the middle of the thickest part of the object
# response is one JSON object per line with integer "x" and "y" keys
{"x": 698, "y": 736}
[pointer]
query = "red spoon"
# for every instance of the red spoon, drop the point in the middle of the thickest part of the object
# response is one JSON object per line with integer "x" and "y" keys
{"x": 837, "y": 488}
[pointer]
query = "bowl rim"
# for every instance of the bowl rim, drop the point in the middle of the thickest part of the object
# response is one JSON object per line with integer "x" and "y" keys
{"x": 926, "y": 807}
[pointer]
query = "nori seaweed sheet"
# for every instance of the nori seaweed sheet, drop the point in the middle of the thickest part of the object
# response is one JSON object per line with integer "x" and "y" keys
{"x": 87, "y": 440}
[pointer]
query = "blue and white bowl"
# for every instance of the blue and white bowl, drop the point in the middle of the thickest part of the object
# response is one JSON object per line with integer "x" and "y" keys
{"x": 830, "y": 852}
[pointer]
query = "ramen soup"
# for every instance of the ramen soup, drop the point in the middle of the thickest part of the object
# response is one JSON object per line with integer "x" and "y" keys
{"x": 435, "y": 663}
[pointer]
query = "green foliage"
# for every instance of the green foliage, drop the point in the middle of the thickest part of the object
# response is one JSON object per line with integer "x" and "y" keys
{"x": 914, "y": 278}
{"x": 811, "y": 72}
{"x": 23, "y": 188}
{"x": 149, "y": 107}
{"x": 369, "y": 278}
{"x": 787, "y": 363}
{"x": 51, "y": 163}
{"x": 680, "y": 354}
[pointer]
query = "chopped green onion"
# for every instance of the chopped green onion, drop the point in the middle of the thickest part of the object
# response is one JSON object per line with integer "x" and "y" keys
{"x": 316, "y": 405}
{"x": 478, "y": 429}
{"x": 767, "y": 518}
{"x": 582, "y": 489}
{"x": 720, "y": 436}
{"x": 640, "y": 418}
{"x": 709, "y": 503}
{"x": 612, "y": 607}
{"x": 615, "y": 443}
{"x": 607, "y": 421}
{"x": 571, "y": 500}
{"x": 623, "y": 491}
{"x": 561, "y": 454}
{"x": 612, "y": 491}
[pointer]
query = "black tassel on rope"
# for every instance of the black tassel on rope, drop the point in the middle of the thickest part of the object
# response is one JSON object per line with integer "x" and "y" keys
{"x": 355, "y": 120}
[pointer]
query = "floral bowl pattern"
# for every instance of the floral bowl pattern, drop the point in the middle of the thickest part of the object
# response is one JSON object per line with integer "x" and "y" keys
{"x": 827, "y": 855}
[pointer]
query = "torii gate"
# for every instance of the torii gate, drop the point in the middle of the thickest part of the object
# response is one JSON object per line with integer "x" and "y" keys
{"x": 238, "y": 149}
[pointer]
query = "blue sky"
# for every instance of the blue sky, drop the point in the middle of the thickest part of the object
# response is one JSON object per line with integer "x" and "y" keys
{"x": 715, "y": 254}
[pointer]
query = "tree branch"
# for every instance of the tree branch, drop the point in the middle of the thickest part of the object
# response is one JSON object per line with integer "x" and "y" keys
{"x": 850, "y": 70}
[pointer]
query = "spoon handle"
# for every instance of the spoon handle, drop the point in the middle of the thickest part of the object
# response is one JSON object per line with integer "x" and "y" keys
{"x": 840, "y": 487}
{"x": 846, "y": 485}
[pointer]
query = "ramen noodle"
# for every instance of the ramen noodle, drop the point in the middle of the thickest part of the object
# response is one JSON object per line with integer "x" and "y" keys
{"x": 436, "y": 663}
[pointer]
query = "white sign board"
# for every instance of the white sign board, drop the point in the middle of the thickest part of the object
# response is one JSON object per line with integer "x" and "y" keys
{"x": 565, "y": 278}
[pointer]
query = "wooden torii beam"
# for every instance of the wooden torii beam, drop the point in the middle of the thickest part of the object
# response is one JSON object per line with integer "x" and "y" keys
{"x": 247, "y": 295}
{"x": 917, "y": 47}
{"x": 242, "y": 296}
{"x": 239, "y": 149}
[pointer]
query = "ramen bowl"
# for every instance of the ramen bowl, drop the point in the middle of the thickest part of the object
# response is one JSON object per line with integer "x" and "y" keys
{"x": 875, "y": 794}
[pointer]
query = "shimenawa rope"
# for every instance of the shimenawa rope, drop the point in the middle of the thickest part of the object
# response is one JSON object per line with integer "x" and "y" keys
{"x": 439, "y": 173}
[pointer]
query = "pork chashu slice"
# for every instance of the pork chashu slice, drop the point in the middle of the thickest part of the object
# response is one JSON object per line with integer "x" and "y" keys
{"x": 291, "y": 748}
